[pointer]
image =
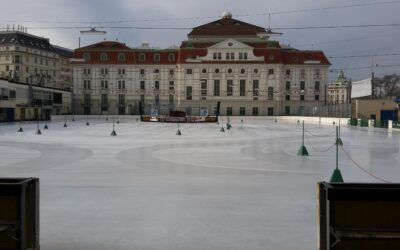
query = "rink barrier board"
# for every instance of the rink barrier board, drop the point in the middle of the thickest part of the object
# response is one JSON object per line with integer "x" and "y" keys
{"x": 358, "y": 216}
{"x": 19, "y": 213}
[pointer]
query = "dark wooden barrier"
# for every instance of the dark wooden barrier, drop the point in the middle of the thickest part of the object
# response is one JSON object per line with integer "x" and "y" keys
{"x": 19, "y": 213}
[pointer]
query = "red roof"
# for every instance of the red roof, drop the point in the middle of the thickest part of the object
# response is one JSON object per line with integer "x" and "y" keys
{"x": 300, "y": 57}
{"x": 106, "y": 45}
{"x": 227, "y": 27}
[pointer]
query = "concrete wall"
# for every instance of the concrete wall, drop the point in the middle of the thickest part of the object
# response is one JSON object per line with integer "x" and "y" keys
{"x": 363, "y": 109}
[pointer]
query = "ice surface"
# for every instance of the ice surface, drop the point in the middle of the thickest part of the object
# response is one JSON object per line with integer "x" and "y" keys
{"x": 150, "y": 189}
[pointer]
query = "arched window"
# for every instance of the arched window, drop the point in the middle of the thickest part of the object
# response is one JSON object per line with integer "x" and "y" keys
{"x": 157, "y": 57}
{"x": 171, "y": 57}
{"x": 103, "y": 57}
{"x": 121, "y": 57}
{"x": 86, "y": 56}
{"x": 142, "y": 57}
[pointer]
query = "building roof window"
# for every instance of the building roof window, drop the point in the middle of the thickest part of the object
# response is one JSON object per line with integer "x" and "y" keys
{"x": 157, "y": 57}
{"x": 142, "y": 57}
{"x": 86, "y": 56}
{"x": 121, "y": 57}
{"x": 103, "y": 57}
{"x": 171, "y": 57}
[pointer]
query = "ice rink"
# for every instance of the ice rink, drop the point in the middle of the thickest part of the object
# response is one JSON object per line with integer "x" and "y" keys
{"x": 148, "y": 188}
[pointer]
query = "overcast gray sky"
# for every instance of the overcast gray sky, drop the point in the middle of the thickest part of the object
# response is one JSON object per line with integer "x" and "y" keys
{"x": 334, "y": 42}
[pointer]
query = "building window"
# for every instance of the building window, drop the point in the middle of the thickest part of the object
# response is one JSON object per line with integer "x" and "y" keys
{"x": 86, "y": 57}
{"x": 157, "y": 85}
{"x": 270, "y": 93}
{"x": 302, "y": 85}
{"x": 189, "y": 93}
{"x": 302, "y": 73}
{"x": 270, "y": 71}
{"x": 255, "y": 71}
{"x": 104, "y": 71}
{"x": 86, "y": 71}
{"x": 189, "y": 71}
{"x": 245, "y": 55}
{"x": 157, "y": 99}
{"x": 287, "y": 86}
{"x": 142, "y": 85}
{"x": 317, "y": 85}
{"x": 171, "y": 57}
{"x": 255, "y": 87}
{"x": 287, "y": 98}
{"x": 270, "y": 111}
{"x": 171, "y": 72}
{"x": 216, "y": 71}
{"x": 171, "y": 99}
{"x": 203, "y": 84}
{"x": 121, "y": 71}
{"x": 171, "y": 85}
{"x": 204, "y": 71}
{"x": 156, "y": 71}
{"x": 287, "y": 110}
{"x": 301, "y": 97}
{"x": 142, "y": 57}
{"x": 121, "y": 99}
{"x": 142, "y": 99}
{"x": 157, "y": 57}
{"x": 317, "y": 72}
{"x": 121, "y": 84}
{"x": 104, "y": 102}
{"x": 121, "y": 57}
{"x": 288, "y": 72}
{"x": 255, "y": 110}
{"x": 242, "y": 71}
{"x": 103, "y": 57}
{"x": 317, "y": 97}
{"x": 242, "y": 87}
{"x": 228, "y": 110}
{"x": 230, "y": 56}
{"x": 216, "y": 87}
{"x": 229, "y": 87}
{"x": 104, "y": 84}
{"x": 230, "y": 71}
{"x": 86, "y": 100}
{"x": 217, "y": 55}
{"x": 86, "y": 84}
{"x": 242, "y": 111}
{"x": 142, "y": 71}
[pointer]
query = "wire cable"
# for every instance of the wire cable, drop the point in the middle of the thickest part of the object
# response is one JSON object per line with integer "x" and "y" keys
{"x": 318, "y": 150}
{"x": 362, "y": 168}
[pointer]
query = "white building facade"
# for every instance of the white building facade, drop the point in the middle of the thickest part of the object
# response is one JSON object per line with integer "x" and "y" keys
{"x": 226, "y": 61}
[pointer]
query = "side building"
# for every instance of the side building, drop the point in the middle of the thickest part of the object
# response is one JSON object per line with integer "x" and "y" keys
{"x": 22, "y": 101}
{"x": 27, "y": 58}
{"x": 226, "y": 60}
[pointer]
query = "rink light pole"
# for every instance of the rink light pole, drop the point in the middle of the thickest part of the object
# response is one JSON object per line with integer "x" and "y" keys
{"x": 337, "y": 175}
{"x": 222, "y": 125}
{"x": 38, "y": 132}
{"x": 302, "y": 150}
{"x": 113, "y": 133}
{"x": 178, "y": 132}
{"x": 228, "y": 124}
{"x": 20, "y": 128}
{"x": 65, "y": 121}
{"x": 338, "y": 139}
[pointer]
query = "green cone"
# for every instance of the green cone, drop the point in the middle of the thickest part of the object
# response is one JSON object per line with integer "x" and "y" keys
{"x": 336, "y": 176}
{"x": 302, "y": 151}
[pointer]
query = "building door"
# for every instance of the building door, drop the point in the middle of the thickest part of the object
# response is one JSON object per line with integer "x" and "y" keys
{"x": 22, "y": 114}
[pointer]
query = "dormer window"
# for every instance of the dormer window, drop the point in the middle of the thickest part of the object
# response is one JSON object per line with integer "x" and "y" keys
{"x": 86, "y": 56}
{"x": 142, "y": 57}
{"x": 171, "y": 57}
{"x": 103, "y": 57}
{"x": 121, "y": 57}
{"x": 157, "y": 57}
